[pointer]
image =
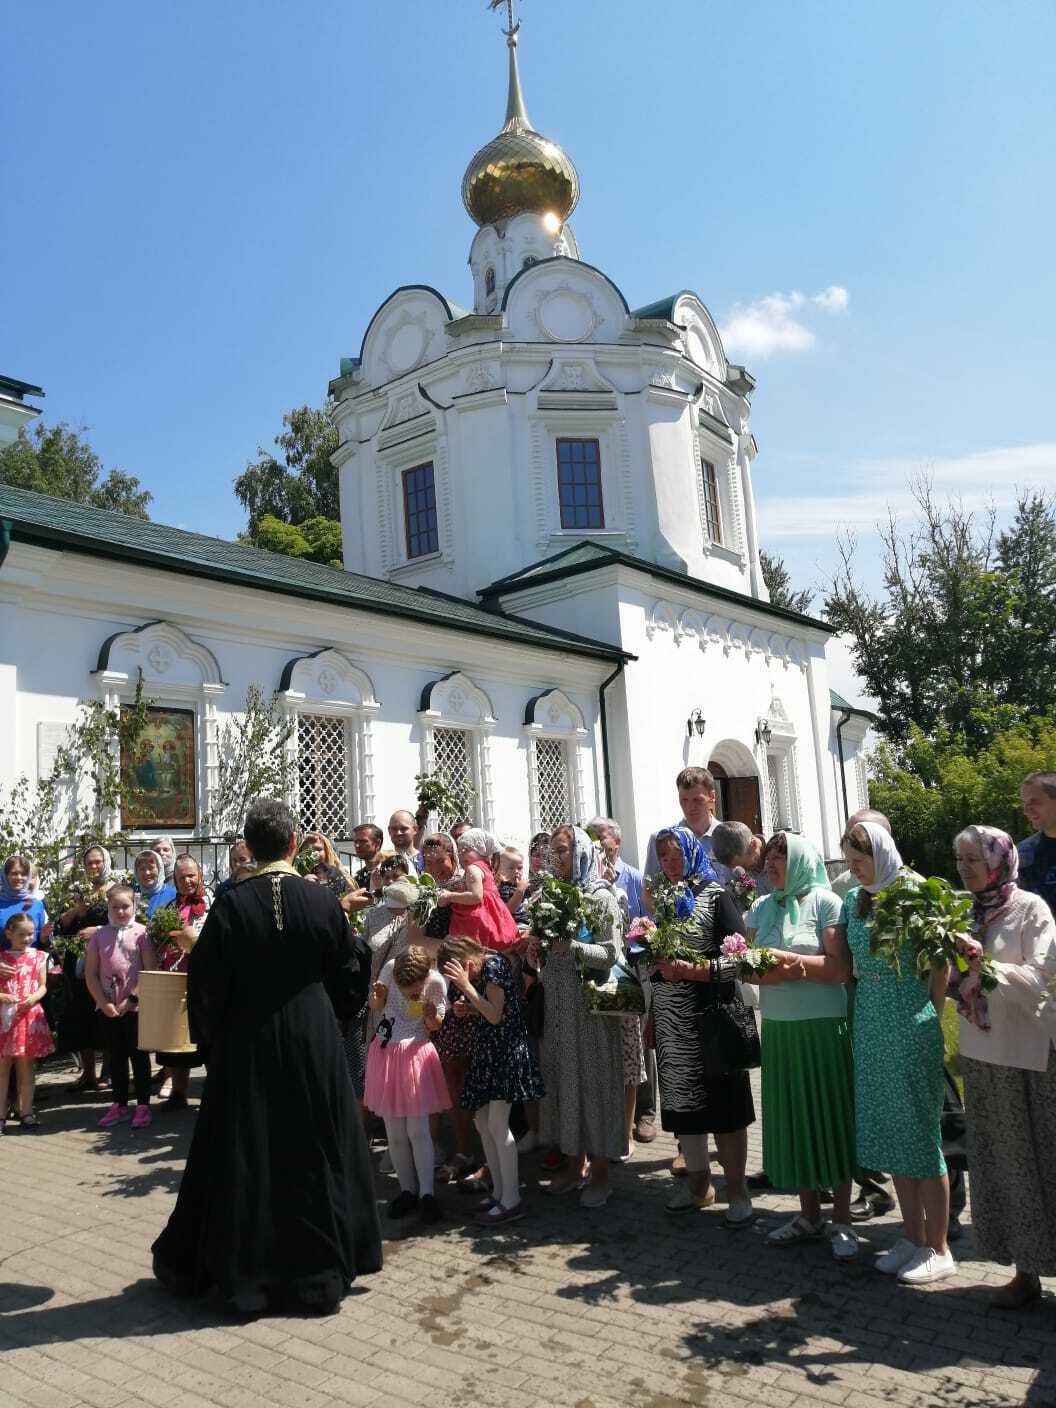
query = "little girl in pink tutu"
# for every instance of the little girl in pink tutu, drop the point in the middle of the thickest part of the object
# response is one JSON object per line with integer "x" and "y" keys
{"x": 24, "y": 1034}
{"x": 405, "y": 1081}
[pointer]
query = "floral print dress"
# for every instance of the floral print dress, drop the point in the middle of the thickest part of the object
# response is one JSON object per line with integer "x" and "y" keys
{"x": 502, "y": 1065}
{"x": 27, "y": 1035}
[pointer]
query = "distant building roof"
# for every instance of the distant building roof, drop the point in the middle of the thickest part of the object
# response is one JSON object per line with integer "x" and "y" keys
{"x": 57, "y": 523}
{"x": 18, "y": 390}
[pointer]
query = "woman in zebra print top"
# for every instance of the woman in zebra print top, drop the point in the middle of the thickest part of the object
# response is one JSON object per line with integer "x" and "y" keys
{"x": 686, "y": 996}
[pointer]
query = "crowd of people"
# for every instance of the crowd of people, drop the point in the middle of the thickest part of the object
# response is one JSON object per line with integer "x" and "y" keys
{"x": 472, "y": 1045}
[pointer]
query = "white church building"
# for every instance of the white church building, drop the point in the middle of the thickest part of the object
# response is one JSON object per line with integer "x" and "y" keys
{"x": 551, "y": 580}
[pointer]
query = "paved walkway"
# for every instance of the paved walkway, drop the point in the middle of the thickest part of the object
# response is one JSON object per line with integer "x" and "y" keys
{"x": 628, "y": 1306}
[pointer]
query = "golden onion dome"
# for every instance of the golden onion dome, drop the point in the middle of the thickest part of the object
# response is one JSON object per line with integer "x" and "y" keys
{"x": 519, "y": 169}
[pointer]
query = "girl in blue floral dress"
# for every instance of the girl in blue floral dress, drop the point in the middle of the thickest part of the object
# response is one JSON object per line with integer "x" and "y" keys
{"x": 502, "y": 1068}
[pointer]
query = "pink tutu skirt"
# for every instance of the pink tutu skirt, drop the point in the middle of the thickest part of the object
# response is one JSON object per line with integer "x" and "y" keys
{"x": 405, "y": 1078}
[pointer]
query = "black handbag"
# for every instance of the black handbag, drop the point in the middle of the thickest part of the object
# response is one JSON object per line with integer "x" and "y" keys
{"x": 730, "y": 1037}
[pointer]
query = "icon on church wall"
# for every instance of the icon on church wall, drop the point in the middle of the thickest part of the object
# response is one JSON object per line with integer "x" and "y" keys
{"x": 157, "y": 780}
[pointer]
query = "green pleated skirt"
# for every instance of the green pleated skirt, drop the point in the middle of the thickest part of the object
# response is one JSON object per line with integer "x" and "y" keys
{"x": 808, "y": 1103}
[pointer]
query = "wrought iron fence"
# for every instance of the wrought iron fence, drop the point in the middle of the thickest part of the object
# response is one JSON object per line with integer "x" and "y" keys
{"x": 209, "y": 851}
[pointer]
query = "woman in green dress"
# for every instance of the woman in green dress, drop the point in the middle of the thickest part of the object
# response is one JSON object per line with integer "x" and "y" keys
{"x": 808, "y": 1069}
{"x": 898, "y": 1083}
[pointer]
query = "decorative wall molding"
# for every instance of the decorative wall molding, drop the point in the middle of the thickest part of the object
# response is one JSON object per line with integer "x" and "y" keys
{"x": 554, "y": 714}
{"x": 710, "y": 630}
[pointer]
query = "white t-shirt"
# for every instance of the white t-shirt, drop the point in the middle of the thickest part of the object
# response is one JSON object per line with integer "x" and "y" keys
{"x": 408, "y": 1021}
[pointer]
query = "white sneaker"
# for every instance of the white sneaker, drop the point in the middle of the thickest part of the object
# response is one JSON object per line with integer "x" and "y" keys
{"x": 739, "y": 1214}
{"x": 928, "y": 1265}
{"x": 528, "y": 1142}
{"x": 844, "y": 1242}
{"x": 901, "y": 1254}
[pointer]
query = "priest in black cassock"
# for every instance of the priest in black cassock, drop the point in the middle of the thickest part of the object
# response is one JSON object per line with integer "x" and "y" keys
{"x": 277, "y": 1202}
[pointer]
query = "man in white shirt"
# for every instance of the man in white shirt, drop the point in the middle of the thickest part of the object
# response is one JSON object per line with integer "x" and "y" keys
{"x": 403, "y": 832}
{"x": 696, "y": 797}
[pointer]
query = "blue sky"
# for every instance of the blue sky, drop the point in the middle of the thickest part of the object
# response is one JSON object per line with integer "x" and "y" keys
{"x": 206, "y": 202}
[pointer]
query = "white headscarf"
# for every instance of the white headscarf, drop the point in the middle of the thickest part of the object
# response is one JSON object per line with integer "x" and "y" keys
{"x": 478, "y": 840}
{"x": 886, "y": 858}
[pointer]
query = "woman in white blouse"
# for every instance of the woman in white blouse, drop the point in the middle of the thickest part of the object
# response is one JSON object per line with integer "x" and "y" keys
{"x": 1010, "y": 1071}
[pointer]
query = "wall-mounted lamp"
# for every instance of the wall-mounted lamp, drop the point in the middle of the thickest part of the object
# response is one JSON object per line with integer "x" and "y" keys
{"x": 696, "y": 723}
{"x": 764, "y": 733}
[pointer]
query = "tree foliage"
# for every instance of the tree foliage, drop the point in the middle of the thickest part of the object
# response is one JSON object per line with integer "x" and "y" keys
{"x": 53, "y": 459}
{"x": 934, "y": 787}
{"x": 300, "y": 486}
{"x": 253, "y": 760}
{"x": 779, "y": 584}
{"x": 959, "y": 644}
{"x": 316, "y": 539}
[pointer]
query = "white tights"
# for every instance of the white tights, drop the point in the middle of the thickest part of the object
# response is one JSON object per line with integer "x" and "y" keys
{"x": 411, "y": 1150}
{"x": 500, "y": 1151}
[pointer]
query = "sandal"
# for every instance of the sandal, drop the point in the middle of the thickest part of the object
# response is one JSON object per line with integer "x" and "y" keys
{"x": 30, "y": 1122}
{"x": 796, "y": 1229}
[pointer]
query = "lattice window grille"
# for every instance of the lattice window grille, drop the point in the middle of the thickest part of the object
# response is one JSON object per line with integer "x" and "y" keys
{"x": 862, "y": 775}
{"x": 553, "y": 791}
{"x": 453, "y": 755}
{"x": 323, "y": 774}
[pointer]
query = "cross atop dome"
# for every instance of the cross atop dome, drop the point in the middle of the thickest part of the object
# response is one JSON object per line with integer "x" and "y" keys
{"x": 519, "y": 170}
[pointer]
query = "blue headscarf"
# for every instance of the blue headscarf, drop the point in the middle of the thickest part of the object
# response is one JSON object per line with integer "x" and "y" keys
{"x": 696, "y": 866}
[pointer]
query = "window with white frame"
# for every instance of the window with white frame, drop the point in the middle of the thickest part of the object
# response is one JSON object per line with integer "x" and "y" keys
{"x": 556, "y": 733}
{"x": 324, "y": 774}
{"x": 782, "y": 782}
{"x": 457, "y": 721}
{"x": 332, "y": 703}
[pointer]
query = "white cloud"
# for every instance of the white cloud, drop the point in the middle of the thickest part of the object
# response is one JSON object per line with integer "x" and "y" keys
{"x": 775, "y": 323}
{"x": 833, "y": 299}
{"x": 872, "y": 488}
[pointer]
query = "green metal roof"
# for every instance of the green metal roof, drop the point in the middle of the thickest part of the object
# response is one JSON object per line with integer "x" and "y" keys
{"x": 663, "y": 307}
{"x": 586, "y": 556}
{"x": 57, "y": 523}
{"x": 838, "y": 702}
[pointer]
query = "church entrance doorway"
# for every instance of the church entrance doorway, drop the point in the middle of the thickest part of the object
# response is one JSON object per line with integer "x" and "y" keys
{"x": 738, "y": 797}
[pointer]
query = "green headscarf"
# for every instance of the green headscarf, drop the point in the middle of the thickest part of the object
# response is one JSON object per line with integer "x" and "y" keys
{"x": 805, "y": 872}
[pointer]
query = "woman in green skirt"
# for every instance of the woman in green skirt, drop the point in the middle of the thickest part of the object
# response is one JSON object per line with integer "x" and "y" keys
{"x": 808, "y": 1067}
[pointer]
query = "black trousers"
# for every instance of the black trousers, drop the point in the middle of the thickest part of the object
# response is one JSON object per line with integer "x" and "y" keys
{"x": 123, "y": 1033}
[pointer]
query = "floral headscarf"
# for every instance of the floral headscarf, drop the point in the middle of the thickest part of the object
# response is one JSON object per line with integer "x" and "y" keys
{"x": 1001, "y": 859}
{"x": 696, "y": 866}
{"x": 804, "y": 871}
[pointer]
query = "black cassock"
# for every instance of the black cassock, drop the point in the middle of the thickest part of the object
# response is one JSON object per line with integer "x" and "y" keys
{"x": 277, "y": 1199}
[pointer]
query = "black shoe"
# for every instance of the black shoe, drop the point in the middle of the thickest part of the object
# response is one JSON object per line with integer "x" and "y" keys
{"x": 759, "y": 1182}
{"x": 824, "y": 1195}
{"x": 869, "y": 1205}
{"x": 176, "y": 1101}
{"x": 861, "y": 1209}
{"x": 429, "y": 1210}
{"x": 402, "y": 1204}
{"x": 954, "y": 1232}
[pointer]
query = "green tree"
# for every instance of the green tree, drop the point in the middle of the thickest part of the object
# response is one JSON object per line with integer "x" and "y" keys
{"x": 303, "y": 484}
{"x": 933, "y": 788}
{"x": 316, "y": 539}
{"x": 934, "y": 648}
{"x": 1026, "y": 556}
{"x": 53, "y": 459}
{"x": 779, "y": 585}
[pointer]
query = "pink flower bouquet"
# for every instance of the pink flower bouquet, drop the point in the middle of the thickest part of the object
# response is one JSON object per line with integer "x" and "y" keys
{"x": 752, "y": 961}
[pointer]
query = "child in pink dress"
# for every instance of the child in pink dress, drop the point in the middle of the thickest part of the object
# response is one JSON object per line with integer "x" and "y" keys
{"x": 116, "y": 955}
{"x": 405, "y": 1081}
{"x": 24, "y": 1034}
{"x": 477, "y": 909}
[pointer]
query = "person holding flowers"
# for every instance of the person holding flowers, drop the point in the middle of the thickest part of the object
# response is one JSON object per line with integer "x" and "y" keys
{"x": 190, "y": 905}
{"x": 697, "y": 1098}
{"x": 582, "y": 1112}
{"x": 898, "y": 1051}
{"x": 1010, "y": 1073}
{"x": 79, "y": 1026}
{"x": 808, "y": 1067}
